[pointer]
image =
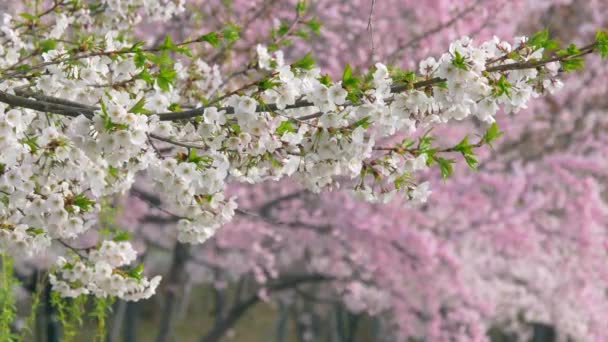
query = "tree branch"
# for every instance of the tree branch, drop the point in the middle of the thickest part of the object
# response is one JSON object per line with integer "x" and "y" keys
{"x": 59, "y": 106}
{"x": 239, "y": 309}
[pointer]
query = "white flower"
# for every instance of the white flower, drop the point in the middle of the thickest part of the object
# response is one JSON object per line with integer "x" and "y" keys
{"x": 246, "y": 105}
{"x": 552, "y": 85}
{"x": 420, "y": 193}
{"x": 337, "y": 94}
{"x": 428, "y": 66}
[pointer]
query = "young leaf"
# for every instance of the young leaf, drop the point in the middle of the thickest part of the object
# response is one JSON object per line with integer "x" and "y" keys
{"x": 471, "y": 161}
{"x": 284, "y": 127}
{"x": 363, "y": 122}
{"x": 305, "y": 63}
{"x": 211, "y": 38}
{"x": 165, "y": 78}
{"x": 492, "y": 133}
{"x": 48, "y": 45}
{"x": 83, "y": 202}
{"x": 541, "y": 40}
{"x": 502, "y": 87}
{"x": 445, "y": 165}
{"x": 325, "y": 80}
{"x": 301, "y": 7}
{"x": 266, "y": 84}
{"x": 601, "y": 39}
{"x": 314, "y": 25}
{"x": 231, "y": 33}
{"x": 349, "y": 81}
{"x": 459, "y": 61}
{"x": 463, "y": 146}
{"x": 136, "y": 272}
{"x": 571, "y": 64}
{"x": 122, "y": 236}
{"x": 138, "y": 108}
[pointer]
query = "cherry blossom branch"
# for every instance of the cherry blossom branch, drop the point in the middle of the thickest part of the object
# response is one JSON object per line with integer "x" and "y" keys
{"x": 124, "y": 51}
{"x": 59, "y": 106}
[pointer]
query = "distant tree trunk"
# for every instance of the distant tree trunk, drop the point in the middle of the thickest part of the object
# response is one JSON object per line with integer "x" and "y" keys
{"x": 175, "y": 282}
{"x": 120, "y": 309}
{"x": 282, "y": 319}
{"x": 240, "y": 308}
{"x": 131, "y": 315}
{"x": 52, "y": 325}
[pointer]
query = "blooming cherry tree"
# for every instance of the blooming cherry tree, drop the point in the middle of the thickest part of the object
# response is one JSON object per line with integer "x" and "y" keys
{"x": 86, "y": 108}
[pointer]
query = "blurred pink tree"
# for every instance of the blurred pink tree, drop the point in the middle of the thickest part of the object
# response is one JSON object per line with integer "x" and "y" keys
{"x": 521, "y": 240}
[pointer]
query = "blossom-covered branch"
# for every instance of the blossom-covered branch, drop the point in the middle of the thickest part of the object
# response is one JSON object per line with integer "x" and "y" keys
{"x": 78, "y": 127}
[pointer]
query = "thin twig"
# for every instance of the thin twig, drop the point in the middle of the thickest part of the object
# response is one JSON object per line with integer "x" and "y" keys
{"x": 370, "y": 29}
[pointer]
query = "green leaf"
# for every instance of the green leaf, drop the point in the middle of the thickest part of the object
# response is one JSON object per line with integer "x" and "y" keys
{"x": 463, "y": 146}
{"x": 283, "y": 28}
{"x": 165, "y": 78}
{"x": 31, "y": 142}
{"x": 122, "y": 236}
{"x": 571, "y": 64}
{"x": 325, "y": 80}
{"x": 302, "y": 34}
{"x": 35, "y": 231}
{"x": 236, "y": 128}
{"x": 193, "y": 157}
{"x": 424, "y": 142}
{"x": 305, "y": 63}
{"x": 231, "y": 33}
{"x": 211, "y": 38}
{"x": 169, "y": 45}
{"x": 83, "y": 202}
{"x": 138, "y": 108}
{"x": 471, "y": 161}
{"x": 139, "y": 59}
{"x": 570, "y": 50}
{"x": 502, "y": 87}
{"x": 492, "y": 133}
{"x": 406, "y": 143}
{"x": 112, "y": 171}
{"x": 601, "y": 39}
{"x": 24, "y": 67}
{"x": 175, "y": 107}
{"x": 266, "y": 84}
{"x": 136, "y": 272}
{"x": 351, "y": 83}
{"x": 145, "y": 75}
{"x": 28, "y": 16}
{"x": 401, "y": 180}
{"x": 459, "y": 61}
{"x": 301, "y": 7}
{"x": 541, "y": 40}
{"x": 163, "y": 59}
{"x": 137, "y": 46}
{"x": 314, "y": 25}
{"x": 442, "y": 84}
{"x": 284, "y": 127}
{"x": 403, "y": 76}
{"x": 445, "y": 165}
{"x": 363, "y": 122}
{"x": 48, "y": 45}
{"x": 347, "y": 75}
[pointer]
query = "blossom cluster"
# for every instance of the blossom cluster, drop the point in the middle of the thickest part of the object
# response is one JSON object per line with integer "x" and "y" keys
{"x": 100, "y": 274}
{"x": 78, "y": 127}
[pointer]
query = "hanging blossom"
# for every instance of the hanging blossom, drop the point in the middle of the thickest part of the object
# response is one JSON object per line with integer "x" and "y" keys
{"x": 79, "y": 125}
